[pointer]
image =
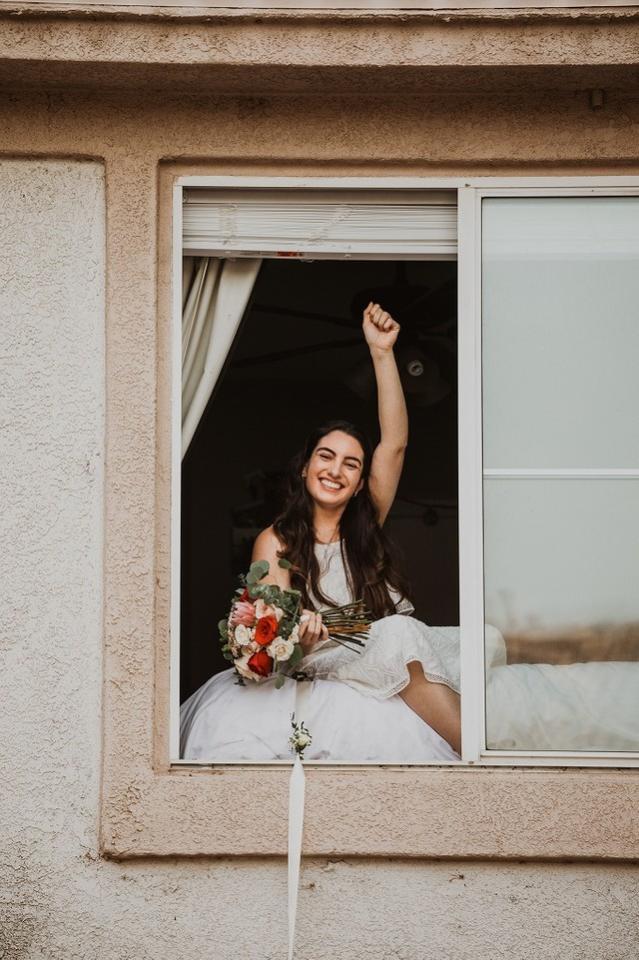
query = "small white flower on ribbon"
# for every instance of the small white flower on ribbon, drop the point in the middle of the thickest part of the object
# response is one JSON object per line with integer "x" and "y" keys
{"x": 300, "y": 739}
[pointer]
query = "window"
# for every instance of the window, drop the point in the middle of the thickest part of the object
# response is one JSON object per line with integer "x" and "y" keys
{"x": 523, "y": 806}
{"x": 550, "y": 591}
{"x": 550, "y": 443}
{"x": 560, "y": 342}
{"x": 285, "y": 276}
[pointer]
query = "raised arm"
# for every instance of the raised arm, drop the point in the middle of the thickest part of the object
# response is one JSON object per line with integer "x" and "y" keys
{"x": 381, "y": 333}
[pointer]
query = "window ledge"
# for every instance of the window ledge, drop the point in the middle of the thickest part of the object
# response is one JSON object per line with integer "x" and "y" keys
{"x": 434, "y": 812}
{"x": 361, "y": 12}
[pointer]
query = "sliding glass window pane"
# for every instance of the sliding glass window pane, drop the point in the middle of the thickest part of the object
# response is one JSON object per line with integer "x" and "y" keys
{"x": 562, "y": 612}
{"x": 560, "y": 342}
{"x": 560, "y": 331}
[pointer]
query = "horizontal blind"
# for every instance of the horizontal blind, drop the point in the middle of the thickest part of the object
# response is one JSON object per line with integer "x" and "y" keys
{"x": 271, "y": 223}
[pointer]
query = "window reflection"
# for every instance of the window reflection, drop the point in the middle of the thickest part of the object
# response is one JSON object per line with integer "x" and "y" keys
{"x": 560, "y": 338}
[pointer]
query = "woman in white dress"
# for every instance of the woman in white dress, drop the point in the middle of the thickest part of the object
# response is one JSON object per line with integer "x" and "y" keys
{"x": 331, "y": 532}
{"x": 356, "y": 704}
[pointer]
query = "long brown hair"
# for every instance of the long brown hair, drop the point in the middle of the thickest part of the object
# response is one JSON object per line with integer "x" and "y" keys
{"x": 367, "y": 552}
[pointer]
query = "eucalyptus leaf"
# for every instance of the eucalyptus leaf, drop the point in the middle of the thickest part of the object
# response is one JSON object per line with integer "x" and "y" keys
{"x": 295, "y": 657}
{"x": 258, "y": 570}
{"x": 284, "y": 563}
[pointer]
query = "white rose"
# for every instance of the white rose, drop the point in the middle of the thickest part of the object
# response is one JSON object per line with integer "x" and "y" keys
{"x": 279, "y": 613}
{"x": 242, "y": 635}
{"x": 281, "y": 649}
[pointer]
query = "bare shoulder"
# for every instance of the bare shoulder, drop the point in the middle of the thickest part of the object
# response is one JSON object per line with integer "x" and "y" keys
{"x": 267, "y": 545}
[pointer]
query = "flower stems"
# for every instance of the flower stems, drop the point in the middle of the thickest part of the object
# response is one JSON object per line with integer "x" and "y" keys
{"x": 348, "y": 624}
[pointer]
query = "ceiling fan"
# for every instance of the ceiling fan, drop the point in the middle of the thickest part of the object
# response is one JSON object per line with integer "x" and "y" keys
{"x": 426, "y": 353}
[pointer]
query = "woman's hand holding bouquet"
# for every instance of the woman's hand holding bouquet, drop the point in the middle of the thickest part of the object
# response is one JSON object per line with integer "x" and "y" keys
{"x": 312, "y": 630}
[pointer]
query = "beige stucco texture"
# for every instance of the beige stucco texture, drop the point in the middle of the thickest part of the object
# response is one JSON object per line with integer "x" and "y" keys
{"x": 84, "y": 328}
{"x": 60, "y": 899}
{"x": 303, "y": 51}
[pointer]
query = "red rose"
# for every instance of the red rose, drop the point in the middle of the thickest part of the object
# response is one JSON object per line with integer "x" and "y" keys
{"x": 261, "y": 663}
{"x": 266, "y": 630}
{"x": 245, "y": 596}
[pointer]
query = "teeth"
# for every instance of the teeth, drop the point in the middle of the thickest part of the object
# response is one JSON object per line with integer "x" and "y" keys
{"x": 331, "y": 485}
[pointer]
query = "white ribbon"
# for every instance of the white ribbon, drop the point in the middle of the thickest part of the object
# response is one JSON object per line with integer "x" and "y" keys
{"x": 295, "y": 829}
{"x": 296, "y": 792}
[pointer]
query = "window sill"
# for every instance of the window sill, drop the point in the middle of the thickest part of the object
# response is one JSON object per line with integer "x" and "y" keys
{"x": 434, "y": 812}
{"x": 311, "y": 10}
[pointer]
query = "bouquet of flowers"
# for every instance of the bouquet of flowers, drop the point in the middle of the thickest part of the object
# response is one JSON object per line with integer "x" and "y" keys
{"x": 260, "y": 636}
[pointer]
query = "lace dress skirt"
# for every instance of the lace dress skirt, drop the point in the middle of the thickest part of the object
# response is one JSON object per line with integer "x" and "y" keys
{"x": 380, "y": 670}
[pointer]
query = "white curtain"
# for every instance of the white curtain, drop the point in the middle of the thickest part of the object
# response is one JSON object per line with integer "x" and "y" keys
{"x": 215, "y": 293}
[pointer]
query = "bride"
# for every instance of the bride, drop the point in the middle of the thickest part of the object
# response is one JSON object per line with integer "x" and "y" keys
{"x": 331, "y": 532}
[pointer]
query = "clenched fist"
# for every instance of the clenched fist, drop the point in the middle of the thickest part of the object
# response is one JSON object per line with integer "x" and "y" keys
{"x": 379, "y": 328}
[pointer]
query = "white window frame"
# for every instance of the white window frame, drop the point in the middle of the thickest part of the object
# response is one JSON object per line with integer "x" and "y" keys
{"x": 470, "y": 191}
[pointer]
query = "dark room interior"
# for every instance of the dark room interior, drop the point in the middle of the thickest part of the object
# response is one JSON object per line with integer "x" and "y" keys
{"x": 299, "y": 358}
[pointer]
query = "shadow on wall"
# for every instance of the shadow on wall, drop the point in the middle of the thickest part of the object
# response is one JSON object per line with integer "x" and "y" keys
{"x": 298, "y": 359}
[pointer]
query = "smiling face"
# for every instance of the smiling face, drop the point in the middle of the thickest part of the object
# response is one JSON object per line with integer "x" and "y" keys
{"x": 334, "y": 470}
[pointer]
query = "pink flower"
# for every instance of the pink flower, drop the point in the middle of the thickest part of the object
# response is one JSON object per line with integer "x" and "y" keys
{"x": 243, "y": 612}
{"x": 264, "y": 610}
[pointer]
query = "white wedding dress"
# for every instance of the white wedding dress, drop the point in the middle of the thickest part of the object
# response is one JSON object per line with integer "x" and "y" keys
{"x": 349, "y": 702}
{"x": 351, "y": 710}
{"x": 380, "y": 669}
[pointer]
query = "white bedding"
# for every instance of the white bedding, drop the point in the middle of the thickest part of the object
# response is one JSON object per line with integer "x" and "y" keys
{"x": 575, "y": 706}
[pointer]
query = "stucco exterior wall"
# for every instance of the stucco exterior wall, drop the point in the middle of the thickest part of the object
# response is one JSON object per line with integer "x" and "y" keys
{"x": 304, "y": 51}
{"x": 81, "y": 171}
